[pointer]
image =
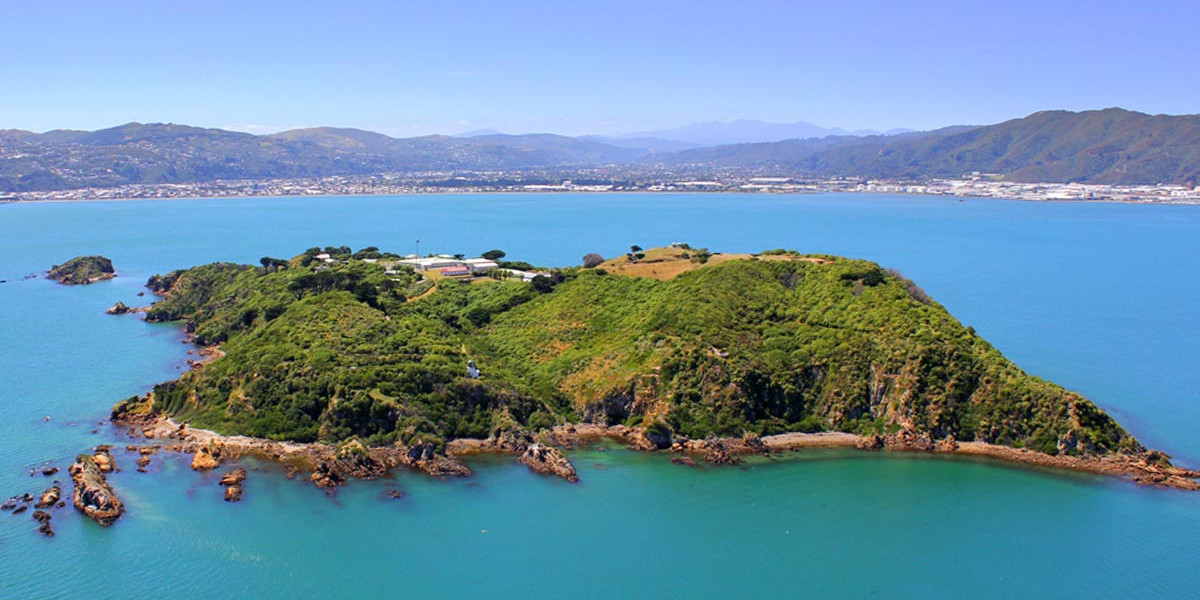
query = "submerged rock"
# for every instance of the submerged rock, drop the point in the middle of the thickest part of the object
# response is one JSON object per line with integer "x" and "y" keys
{"x": 93, "y": 496}
{"x": 686, "y": 461}
{"x": 548, "y": 460}
{"x": 43, "y": 518}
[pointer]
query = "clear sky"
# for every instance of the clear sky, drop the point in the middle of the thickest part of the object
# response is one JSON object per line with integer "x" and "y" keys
{"x": 573, "y": 67}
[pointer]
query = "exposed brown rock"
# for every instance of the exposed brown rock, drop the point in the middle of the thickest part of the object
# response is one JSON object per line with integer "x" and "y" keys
{"x": 755, "y": 443}
{"x": 233, "y": 480}
{"x": 650, "y": 438}
{"x": 949, "y": 444}
{"x": 49, "y": 497}
{"x": 104, "y": 459}
{"x": 716, "y": 452}
{"x": 118, "y": 309}
{"x": 423, "y": 456}
{"x": 93, "y": 496}
{"x": 207, "y": 457}
{"x": 907, "y": 439}
{"x": 49, "y": 471}
{"x": 43, "y": 518}
{"x": 548, "y": 460}
{"x": 326, "y": 476}
{"x": 870, "y": 442}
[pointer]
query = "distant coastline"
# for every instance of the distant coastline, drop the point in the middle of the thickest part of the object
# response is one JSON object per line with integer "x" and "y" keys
{"x": 974, "y": 187}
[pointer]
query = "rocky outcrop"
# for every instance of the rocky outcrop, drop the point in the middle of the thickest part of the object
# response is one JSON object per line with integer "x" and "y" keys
{"x": 871, "y": 442}
{"x": 909, "y": 440}
{"x": 93, "y": 496}
{"x": 716, "y": 451}
{"x": 755, "y": 444}
{"x": 424, "y": 457}
{"x": 144, "y": 454}
{"x": 327, "y": 476}
{"x": 948, "y": 444}
{"x": 207, "y": 457}
{"x": 104, "y": 460}
{"x": 655, "y": 437}
{"x": 43, "y": 519}
{"x": 513, "y": 440}
{"x": 548, "y": 460}
{"x": 233, "y": 480}
{"x": 82, "y": 270}
{"x": 49, "y": 498}
{"x": 118, "y": 309}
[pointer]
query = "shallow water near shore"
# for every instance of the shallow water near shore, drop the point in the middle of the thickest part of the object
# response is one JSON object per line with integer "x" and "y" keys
{"x": 1097, "y": 297}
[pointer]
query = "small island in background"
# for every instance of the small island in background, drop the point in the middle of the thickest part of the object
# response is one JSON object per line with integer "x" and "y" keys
{"x": 82, "y": 270}
{"x": 348, "y": 364}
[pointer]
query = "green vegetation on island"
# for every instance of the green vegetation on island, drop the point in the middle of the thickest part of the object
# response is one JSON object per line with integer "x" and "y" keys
{"x": 336, "y": 348}
{"x": 83, "y": 270}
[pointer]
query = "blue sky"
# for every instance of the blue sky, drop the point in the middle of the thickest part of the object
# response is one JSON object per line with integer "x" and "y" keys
{"x": 576, "y": 67}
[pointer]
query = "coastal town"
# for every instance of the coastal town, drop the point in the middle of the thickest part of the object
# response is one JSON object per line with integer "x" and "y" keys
{"x": 616, "y": 179}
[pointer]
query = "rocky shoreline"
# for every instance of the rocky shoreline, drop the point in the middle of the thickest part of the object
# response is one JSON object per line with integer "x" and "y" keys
{"x": 329, "y": 466}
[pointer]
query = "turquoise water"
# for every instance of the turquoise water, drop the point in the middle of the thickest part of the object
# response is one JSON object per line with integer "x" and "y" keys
{"x": 1098, "y": 297}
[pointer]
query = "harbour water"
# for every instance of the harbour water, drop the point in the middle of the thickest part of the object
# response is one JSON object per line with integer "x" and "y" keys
{"x": 1100, "y": 298}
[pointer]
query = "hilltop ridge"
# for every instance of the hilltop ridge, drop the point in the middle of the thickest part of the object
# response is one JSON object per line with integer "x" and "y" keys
{"x": 341, "y": 347}
{"x": 1111, "y": 146}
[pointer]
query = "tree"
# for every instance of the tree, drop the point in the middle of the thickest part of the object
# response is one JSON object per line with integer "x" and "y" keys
{"x": 634, "y": 249}
{"x": 460, "y": 256}
{"x": 271, "y": 265}
{"x": 592, "y": 260}
{"x": 493, "y": 254}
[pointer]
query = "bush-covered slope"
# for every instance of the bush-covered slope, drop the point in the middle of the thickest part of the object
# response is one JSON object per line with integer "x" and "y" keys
{"x": 1112, "y": 146}
{"x": 83, "y": 270}
{"x": 766, "y": 344}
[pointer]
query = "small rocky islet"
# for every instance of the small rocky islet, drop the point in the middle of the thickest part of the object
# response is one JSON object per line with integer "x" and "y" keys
{"x": 83, "y": 270}
{"x": 343, "y": 365}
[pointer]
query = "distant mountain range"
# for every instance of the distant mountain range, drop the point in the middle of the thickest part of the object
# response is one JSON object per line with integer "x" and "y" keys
{"x": 1113, "y": 146}
{"x": 1107, "y": 146}
{"x": 746, "y": 132}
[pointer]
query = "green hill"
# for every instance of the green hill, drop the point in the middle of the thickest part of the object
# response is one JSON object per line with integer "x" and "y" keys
{"x": 771, "y": 343}
{"x": 1113, "y": 146}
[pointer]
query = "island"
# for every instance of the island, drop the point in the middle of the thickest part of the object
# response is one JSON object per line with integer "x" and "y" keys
{"x": 82, "y": 270}
{"x": 350, "y": 363}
